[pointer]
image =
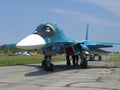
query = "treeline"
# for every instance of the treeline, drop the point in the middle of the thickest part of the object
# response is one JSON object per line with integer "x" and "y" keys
{"x": 14, "y": 49}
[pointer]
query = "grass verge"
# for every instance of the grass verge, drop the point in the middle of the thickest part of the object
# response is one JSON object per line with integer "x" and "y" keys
{"x": 117, "y": 58}
{"x": 21, "y": 60}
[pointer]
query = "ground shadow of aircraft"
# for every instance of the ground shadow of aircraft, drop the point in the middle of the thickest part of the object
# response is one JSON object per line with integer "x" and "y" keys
{"x": 63, "y": 67}
{"x": 51, "y": 39}
{"x": 59, "y": 68}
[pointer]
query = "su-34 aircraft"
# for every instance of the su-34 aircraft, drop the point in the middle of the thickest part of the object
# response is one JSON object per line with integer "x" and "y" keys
{"x": 51, "y": 39}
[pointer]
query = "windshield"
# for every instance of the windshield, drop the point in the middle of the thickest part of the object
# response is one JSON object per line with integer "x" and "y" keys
{"x": 45, "y": 30}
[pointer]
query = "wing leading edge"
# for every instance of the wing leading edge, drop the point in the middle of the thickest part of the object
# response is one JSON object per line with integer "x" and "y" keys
{"x": 96, "y": 45}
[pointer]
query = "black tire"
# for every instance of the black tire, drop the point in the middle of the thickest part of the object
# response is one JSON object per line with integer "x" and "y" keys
{"x": 99, "y": 58}
{"x": 46, "y": 68}
{"x": 84, "y": 64}
{"x": 91, "y": 59}
{"x": 45, "y": 65}
{"x": 51, "y": 67}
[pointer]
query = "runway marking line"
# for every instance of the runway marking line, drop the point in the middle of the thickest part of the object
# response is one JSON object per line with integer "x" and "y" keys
{"x": 12, "y": 78}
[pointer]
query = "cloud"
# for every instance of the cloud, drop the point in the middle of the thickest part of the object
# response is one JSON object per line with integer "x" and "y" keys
{"x": 85, "y": 17}
{"x": 111, "y": 5}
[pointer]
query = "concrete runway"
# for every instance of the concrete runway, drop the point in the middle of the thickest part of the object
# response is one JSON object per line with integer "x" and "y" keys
{"x": 101, "y": 75}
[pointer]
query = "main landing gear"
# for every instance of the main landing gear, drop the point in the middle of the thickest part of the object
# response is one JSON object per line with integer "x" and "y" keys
{"x": 84, "y": 62}
{"x": 95, "y": 57}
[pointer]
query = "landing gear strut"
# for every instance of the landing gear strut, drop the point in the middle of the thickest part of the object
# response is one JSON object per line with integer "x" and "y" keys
{"x": 84, "y": 62}
{"x": 46, "y": 63}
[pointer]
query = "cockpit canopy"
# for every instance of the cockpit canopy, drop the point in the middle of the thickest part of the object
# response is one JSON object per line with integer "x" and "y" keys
{"x": 45, "y": 30}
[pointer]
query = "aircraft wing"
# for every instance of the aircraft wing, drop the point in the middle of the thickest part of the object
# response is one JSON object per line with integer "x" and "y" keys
{"x": 86, "y": 45}
{"x": 9, "y": 45}
{"x": 59, "y": 47}
{"x": 95, "y": 45}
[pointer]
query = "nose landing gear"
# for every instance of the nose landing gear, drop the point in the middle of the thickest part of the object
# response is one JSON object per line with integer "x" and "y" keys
{"x": 47, "y": 65}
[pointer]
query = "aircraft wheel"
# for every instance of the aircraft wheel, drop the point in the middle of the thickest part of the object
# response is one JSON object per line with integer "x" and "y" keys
{"x": 99, "y": 58}
{"x": 84, "y": 64}
{"x": 91, "y": 58}
{"x": 43, "y": 62}
{"x": 51, "y": 67}
{"x": 46, "y": 68}
{"x": 45, "y": 65}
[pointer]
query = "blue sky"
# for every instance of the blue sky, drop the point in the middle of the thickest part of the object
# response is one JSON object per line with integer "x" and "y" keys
{"x": 19, "y": 18}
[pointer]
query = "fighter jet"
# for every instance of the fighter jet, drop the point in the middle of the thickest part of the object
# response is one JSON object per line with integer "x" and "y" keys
{"x": 51, "y": 39}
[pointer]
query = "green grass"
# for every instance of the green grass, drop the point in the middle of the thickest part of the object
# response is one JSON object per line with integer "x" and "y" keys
{"x": 117, "y": 58}
{"x": 21, "y": 60}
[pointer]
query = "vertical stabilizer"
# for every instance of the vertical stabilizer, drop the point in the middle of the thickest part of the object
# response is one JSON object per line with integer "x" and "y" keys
{"x": 86, "y": 38}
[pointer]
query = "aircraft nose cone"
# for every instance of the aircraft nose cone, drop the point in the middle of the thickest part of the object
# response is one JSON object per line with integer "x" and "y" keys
{"x": 32, "y": 41}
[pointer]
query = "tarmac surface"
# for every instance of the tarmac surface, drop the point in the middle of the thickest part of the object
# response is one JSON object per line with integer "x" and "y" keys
{"x": 101, "y": 75}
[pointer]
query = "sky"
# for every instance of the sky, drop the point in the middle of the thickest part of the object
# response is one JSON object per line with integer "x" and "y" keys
{"x": 19, "y": 18}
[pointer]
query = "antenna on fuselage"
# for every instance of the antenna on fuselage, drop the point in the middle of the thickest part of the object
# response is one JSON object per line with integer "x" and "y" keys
{"x": 87, "y": 32}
